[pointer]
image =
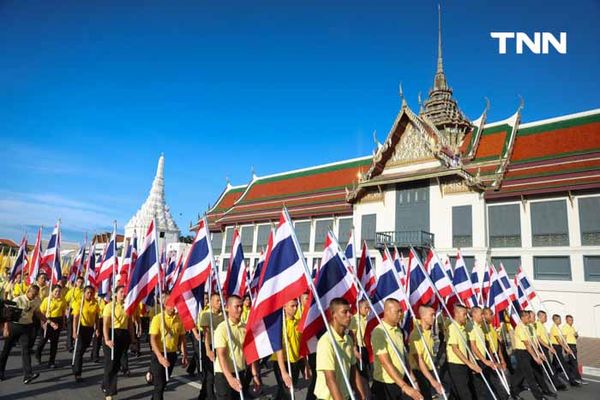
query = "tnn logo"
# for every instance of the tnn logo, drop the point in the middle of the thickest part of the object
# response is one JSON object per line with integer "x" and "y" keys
{"x": 539, "y": 45}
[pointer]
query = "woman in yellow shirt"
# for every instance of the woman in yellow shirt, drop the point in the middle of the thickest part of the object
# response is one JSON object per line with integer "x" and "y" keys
{"x": 54, "y": 308}
{"x": 85, "y": 322}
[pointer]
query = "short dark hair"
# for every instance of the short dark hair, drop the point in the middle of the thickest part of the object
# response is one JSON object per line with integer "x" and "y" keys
{"x": 89, "y": 287}
{"x": 523, "y": 313}
{"x": 541, "y": 313}
{"x": 119, "y": 288}
{"x": 568, "y": 316}
{"x": 458, "y": 307}
{"x": 338, "y": 302}
{"x": 34, "y": 287}
{"x": 79, "y": 278}
{"x": 233, "y": 297}
{"x": 555, "y": 316}
{"x": 42, "y": 274}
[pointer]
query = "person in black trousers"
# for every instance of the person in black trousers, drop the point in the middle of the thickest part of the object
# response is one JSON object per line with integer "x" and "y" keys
{"x": 22, "y": 332}
{"x": 85, "y": 322}
{"x": 115, "y": 345}
{"x": 54, "y": 308}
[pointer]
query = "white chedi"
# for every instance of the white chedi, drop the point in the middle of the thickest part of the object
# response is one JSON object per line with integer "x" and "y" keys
{"x": 156, "y": 207}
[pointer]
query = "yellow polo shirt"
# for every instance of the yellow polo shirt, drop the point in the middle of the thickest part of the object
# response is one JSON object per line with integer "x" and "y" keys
{"x": 521, "y": 336}
{"x": 569, "y": 333}
{"x": 101, "y": 304}
{"x": 89, "y": 312}
{"x": 491, "y": 336}
{"x": 554, "y": 335}
{"x": 416, "y": 348}
{"x": 356, "y": 322}
{"x": 327, "y": 361}
{"x": 476, "y": 335}
{"x": 57, "y": 308}
{"x": 381, "y": 345}
{"x": 293, "y": 339}
{"x": 44, "y": 290}
{"x": 74, "y": 295}
{"x": 542, "y": 333}
{"x": 238, "y": 333}
{"x": 173, "y": 330}
{"x": 29, "y": 307}
{"x": 121, "y": 319}
{"x": 458, "y": 336}
{"x": 19, "y": 289}
{"x": 204, "y": 320}
{"x": 245, "y": 313}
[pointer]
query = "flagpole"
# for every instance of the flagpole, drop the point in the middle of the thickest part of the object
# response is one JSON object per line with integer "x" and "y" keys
{"x": 80, "y": 306}
{"x": 160, "y": 299}
{"x": 462, "y": 339}
{"x": 287, "y": 352}
{"x": 113, "y": 295}
{"x": 311, "y": 284}
{"x": 226, "y": 317}
{"x": 358, "y": 316}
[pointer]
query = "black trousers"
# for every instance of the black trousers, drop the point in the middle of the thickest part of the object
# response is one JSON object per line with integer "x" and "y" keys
{"x": 567, "y": 366}
{"x": 208, "y": 377}
{"x": 555, "y": 371}
{"x": 98, "y": 341}
{"x": 481, "y": 389}
{"x": 283, "y": 392}
{"x": 226, "y": 392}
{"x": 387, "y": 391}
{"x": 158, "y": 374}
{"x": 460, "y": 375}
{"x": 424, "y": 384}
{"x": 112, "y": 367}
{"x": 574, "y": 362}
{"x": 365, "y": 372}
{"x": 312, "y": 364}
{"x": 24, "y": 335}
{"x": 51, "y": 335}
{"x": 526, "y": 371}
{"x": 195, "y": 360}
{"x": 70, "y": 342}
{"x": 125, "y": 360}
{"x": 83, "y": 342}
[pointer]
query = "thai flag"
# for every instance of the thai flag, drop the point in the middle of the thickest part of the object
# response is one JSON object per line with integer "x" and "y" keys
{"x": 475, "y": 284}
{"x": 401, "y": 269}
{"x": 521, "y": 296}
{"x": 350, "y": 254}
{"x": 90, "y": 269}
{"x": 388, "y": 286}
{"x": 486, "y": 284}
{"x": 77, "y": 264}
{"x": 462, "y": 283}
{"x": 34, "y": 263}
{"x": 438, "y": 276}
{"x": 524, "y": 283}
{"x": 503, "y": 276}
{"x": 128, "y": 262}
{"x": 51, "y": 257}
{"x": 20, "y": 261}
{"x": 253, "y": 286}
{"x": 334, "y": 280}
{"x": 109, "y": 264}
{"x": 144, "y": 276}
{"x": 235, "y": 280}
{"x": 283, "y": 278}
{"x": 365, "y": 271}
{"x": 173, "y": 269}
{"x": 448, "y": 269}
{"x": 188, "y": 291}
{"x": 420, "y": 290}
{"x": 497, "y": 300}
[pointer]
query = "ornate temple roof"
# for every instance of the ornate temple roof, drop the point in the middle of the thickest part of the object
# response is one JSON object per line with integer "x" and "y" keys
{"x": 154, "y": 206}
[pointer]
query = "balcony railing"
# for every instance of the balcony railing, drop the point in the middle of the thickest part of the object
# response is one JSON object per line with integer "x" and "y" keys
{"x": 404, "y": 239}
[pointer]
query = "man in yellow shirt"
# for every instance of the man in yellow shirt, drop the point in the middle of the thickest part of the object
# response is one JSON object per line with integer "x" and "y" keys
{"x": 330, "y": 382}
{"x": 358, "y": 325}
{"x": 72, "y": 295}
{"x": 458, "y": 357}
{"x": 207, "y": 322}
{"x": 291, "y": 353}
{"x": 54, "y": 308}
{"x": 529, "y": 364}
{"x": 85, "y": 322}
{"x": 543, "y": 339}
{"x": 227, "y": 386}
{"x": 166, "y": 336}
{"x": 421, "y": 355}
{"x": 22, "y": 331}
{"x": 123, "y": 334}
{"x": 561, "y": 348}
{"x": 570, "y": 334}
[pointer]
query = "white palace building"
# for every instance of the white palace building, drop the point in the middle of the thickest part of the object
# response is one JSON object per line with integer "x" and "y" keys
{"x": 510, "y": 192}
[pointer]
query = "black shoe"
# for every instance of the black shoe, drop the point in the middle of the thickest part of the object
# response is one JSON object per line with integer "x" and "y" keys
{"x": 78, "y": 378}
{"x": 550, "y": 394}
{"x": 27, "y": 380}
{"x": 2, "y": 377}
{"x": 561, "y": 387}
{"x": 52, "y": 366}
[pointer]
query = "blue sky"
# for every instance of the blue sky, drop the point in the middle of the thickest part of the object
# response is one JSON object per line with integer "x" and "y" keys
{"x": 91, "y": 92}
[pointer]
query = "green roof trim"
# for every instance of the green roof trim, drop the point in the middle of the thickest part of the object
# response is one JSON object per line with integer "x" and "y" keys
{"x": 550, "y": 173}
{"x": 567, "y": 123}
{"x": 555, "y": 156}
{"x": 495, "y": 129}
{"x": 314, "y": 171}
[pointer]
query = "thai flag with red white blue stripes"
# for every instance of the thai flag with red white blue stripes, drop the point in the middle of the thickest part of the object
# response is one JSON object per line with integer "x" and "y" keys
{"x": 283, "y": 278}
{"x": 109, "y": 263}
{"x": 50, "y": 261}
{"x": 438, "y": 276}
{"x": 34, "y": 262}
{"x": 497, "y": 299}
{"x": 462, "y": 283}
{"x": 235, "y": 280}
{"x": 365, "y": 272}
{"x": 420, "y": 289}
{"x": 524, "y": 284}
{"x": 188, "y": 291}
{"x": 333, "y": 280}
{"x": 145, "y": 274}
{"x": 20, "y": 261}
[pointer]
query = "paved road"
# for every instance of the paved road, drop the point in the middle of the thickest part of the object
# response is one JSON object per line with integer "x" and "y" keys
{"x": 58, "y": 384}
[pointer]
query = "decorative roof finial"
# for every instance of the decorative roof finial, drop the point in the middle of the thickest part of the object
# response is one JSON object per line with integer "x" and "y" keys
{"x": 253, "y": 170}
{"x": 377, "y": 142}
{"x": 521, "y": 103}
{"x": 440, "y": 66}
{"x": 401, "y": 91}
